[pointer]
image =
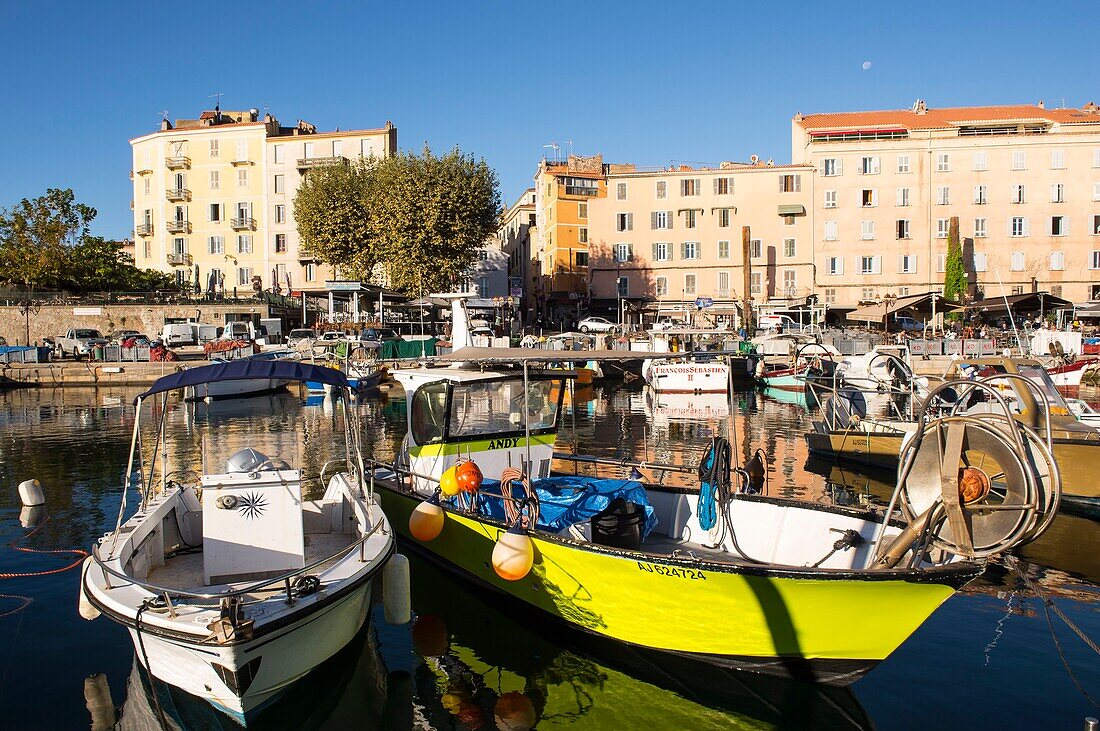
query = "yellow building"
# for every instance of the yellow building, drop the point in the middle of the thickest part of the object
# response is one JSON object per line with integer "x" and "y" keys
{"x": 213, "y": 198}
{"x": 559, "y": 256}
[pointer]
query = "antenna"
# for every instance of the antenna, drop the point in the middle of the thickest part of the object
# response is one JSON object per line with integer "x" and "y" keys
{"x": 556, "y": 148}
{"x": 570, "y": 143}
{"x": 218, "y": 97}
{"x": 164, "y": 115}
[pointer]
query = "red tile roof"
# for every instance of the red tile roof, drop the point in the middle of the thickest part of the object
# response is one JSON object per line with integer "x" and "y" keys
{"x": 947, "y": 117}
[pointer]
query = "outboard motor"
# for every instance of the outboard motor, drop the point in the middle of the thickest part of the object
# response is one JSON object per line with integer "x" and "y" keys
{"x": 245, "y": 460}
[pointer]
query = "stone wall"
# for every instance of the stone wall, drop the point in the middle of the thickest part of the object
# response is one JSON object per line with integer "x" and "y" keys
{"x": 54, "y": 320}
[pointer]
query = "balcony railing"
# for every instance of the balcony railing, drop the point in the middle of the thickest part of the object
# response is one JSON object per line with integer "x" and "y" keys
{"x": 177, "y": 259}
{"x": 177, "y": 162}
{"x": 305, "y": 163}
{"x": 178, "y": 227}
{"x": 178, "y": 194}
{"x": 245, "y": 223}
{"x": 144, "y": 229}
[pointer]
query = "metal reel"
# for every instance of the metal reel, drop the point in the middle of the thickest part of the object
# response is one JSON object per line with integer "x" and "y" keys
{"x": 982, "y": 488}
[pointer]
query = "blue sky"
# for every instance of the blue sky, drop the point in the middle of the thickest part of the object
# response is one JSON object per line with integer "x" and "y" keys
{"x": 648, "y": 83}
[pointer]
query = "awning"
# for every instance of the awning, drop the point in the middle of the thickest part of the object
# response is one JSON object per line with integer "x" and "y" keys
{"x": 1028, "y": 302}
{"x": 792, "y": 209}
{"x": 918, "y": 302}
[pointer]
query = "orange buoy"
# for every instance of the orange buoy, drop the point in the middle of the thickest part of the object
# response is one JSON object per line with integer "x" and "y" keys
{"x": 514, "y": 712}
{"x": 448, "y": 481}
{"x": 469, "y": 476}
{"x": 513, "y": 554}
{"x": 426, "y": 521}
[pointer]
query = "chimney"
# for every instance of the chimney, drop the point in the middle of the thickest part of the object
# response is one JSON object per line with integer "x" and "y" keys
{"x": 1041, "y": 104}
{"x": 165, "y": 125}
{"x": 919, "y": 107}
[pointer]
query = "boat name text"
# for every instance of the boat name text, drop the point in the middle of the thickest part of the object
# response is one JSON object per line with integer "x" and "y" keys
{"x": 671, "y": 571}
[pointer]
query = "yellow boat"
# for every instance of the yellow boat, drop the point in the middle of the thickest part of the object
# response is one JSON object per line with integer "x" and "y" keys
{"x": 768, "y": 584}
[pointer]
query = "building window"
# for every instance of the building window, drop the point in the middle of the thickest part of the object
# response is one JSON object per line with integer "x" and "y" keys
{"x": 689, "y": 250}
{"x": 870, "y": 265}
{"x": 582, "y": 235}
{"x": 661, "y": 286}
{"x": 790, "y": 183}
{"x": 689, "y": 186}
{"x": 307, "y": 149}
{"x": 214, "y": 152}
{"x": 907, "y": 264}
{"x": 903, "y": 163}
{"x": 146, "y": 248}
{"x": 756, "y": 249}
{"x": 943, "y": 226}
{"x": 1094, "y": 260}
{"x": 623, "y": 253}
{"x": 869, "y": 165}
{"x": 981, "y": 196}
{"x": 830, "y": 199}
{"x": 624, "y": 222}
{"x": 941, "y": 263}
{"x": 311, "y": 271}
{"x": 244, "y": 244}
{"x": 662, "y": 189}
{"x": 788, "y": 248}
{"x": 1019, "y": 160}
{"x": 215, "y": 180}
{"x": 723, "y": 218}
{"x": 244, "y": 276}
{"x": 580, "y": 258}
{"x": 868, "y": 199}
{"x": 1019, "y": 193}
{"x": 280, "y": 213}
{"x": 1096, "y": 191}
{"x": 756, "y": 283}
{"x": 830, "y": 296}
{"x": 582, "y": 210}
{"x": 788, "y": 220}
{"x": 1058, "y": 193}
{"x": 1058, "y": 226}
{"x": 867, "y": 294}
{"x": 1057, "y": 159}
{"x": 620, "y": 191}
{"x": 280, "y": 243}
{"x": 1057, "y": 261}
{"x": 483, "y": 286}
{"x": 723, "y": 186}
{"x": 1016, "y": 263}
{"x": 867, "y": 230}
{"x": 215, "y": 212}
{"x": 980, "y": 161}
{"x": 903, "y": 197}
{"x": 216, "y": 245}
{"x": 1096, "y": 225}
{"x": 148, "y": 185}
{"x": 903, "y": 291}
{"x": 689, "y": 284}
{"x": 723, "y": 249}
{"x": 1096, "y": 157}
{"x": 277, "y": 151}
{"x": 980, "y": 261}
{"x": 790, "y": 282}
{"x": 1056, "y": 290}
{"x": 338, "y": 149}
{"x": 662, "y": 251}
{"x": 280, "y": 184}
{"x": 242, "y": 150}
{"x": 723, "y": 284}
{"x": 660, "y": 220}
{"x": 830, "y": 230}
{"x": 833, "y": 166}
{"x": 980, "y": 228}
{"x": 943, "y": 195}
{"x": 943, "y": 163}
{"x": 242, "y": 178}
{"x": 1019, "y": 226}
{"x": 689, "y": 218}
{"x": 1017, "y": 290}
{"x": 903, "y": 228}
{"x": 834, "y": 265}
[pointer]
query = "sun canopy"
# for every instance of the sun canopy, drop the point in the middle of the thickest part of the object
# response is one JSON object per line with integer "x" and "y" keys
{"x": 1029, "y": 302}
{"x": 247, "y": 369}
{"x": 915, "y": 302}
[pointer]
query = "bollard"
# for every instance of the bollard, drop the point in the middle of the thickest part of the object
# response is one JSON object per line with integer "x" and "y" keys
{"x": 30, "y": 493}
{"x": 1092, "y": 724}
{"x": 97, "y": 698}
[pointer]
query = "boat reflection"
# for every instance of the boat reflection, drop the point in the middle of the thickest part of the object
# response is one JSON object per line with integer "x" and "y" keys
{"x": 482, "y": 666}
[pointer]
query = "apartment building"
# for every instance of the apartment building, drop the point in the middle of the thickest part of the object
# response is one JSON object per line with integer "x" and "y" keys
{"x": 669, "y": 236}
{"x": 213, "y": 198}
{"x": 516, "y": 232}
{"x": 559, "y": 255}
{"x": 1023, "y": 180}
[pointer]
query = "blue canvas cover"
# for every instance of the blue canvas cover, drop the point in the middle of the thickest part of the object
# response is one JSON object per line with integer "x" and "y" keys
{"x": 246, "y": 369}
{"x": 570, "y": 499}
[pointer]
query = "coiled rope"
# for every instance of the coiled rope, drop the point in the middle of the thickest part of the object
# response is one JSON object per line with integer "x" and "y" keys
{"x": 79, "y": 553}
{"x": 514, "y": 507}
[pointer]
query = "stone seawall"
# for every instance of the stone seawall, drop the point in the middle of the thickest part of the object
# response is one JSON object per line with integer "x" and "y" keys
{"x": 83, "y": 373}
{"x": 54, "y": 320}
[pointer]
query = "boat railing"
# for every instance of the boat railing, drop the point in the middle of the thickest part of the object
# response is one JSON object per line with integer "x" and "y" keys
{"x": 624, "y": 463}
{"x": 168, "y": 593}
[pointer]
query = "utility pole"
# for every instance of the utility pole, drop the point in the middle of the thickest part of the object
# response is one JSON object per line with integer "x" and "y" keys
{"x": 746, "y": 304}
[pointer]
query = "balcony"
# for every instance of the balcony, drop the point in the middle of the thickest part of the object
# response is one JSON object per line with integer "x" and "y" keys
{"x": 177, "y": 195}
{"x": 144, "y": 229}
{"x": 178, "y": 162}
{"x": 145, "y": 170}
{"x": 306, "y": 163}
{"x": 240, "y": 162}
{"x": 584, "y": 191}
{"x": 246, "y": 223}
{"x": 178, "y": 227}
{"x": 178, "y": 259}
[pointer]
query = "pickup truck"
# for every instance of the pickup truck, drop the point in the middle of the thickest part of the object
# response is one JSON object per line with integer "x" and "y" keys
{"x": 79, "y": 341}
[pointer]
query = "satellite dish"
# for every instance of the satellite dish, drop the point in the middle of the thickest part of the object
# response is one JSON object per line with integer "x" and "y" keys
{"x": 754, "y": 159}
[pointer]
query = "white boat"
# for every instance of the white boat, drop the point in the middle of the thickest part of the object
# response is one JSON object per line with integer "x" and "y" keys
{"x": 884, "y": 368}
{"x": 231, "y": 583}
{"x": 1068, "y": 374}
{"x": 1084, "y": 413}
{"x": 244, "y": 387}
{"x": 698, "y": 371}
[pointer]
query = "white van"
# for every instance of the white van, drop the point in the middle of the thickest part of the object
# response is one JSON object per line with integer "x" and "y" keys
{"x": 776, "y": 322}
{"x": 178, "y": 333}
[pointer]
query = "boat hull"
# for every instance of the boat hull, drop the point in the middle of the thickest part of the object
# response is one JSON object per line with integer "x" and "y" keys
{"x": 797, "y": 622}
{"x": 856, "y": 447}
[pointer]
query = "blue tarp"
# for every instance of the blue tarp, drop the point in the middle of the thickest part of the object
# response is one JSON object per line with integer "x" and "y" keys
{"x": 566, "y": 500}
{"x": 248, "y": 369}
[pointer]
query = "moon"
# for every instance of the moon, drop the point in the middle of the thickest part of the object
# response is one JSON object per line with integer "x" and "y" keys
{"x": 866, "y": 65}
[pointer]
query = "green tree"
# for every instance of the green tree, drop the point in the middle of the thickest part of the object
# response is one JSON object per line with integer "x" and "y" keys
{"x": 34, "y": 236}
{"x": 98, "y": 265}
{"x": 954, "y": 277}
{"x": 421, "y": 217}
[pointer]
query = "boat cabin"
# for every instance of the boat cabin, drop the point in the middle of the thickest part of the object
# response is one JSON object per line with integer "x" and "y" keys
{"x": 1021, "y": 399}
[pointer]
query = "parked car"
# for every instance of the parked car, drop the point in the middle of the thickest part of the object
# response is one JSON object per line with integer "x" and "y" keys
{"x": 178, "y": 333}
{"x": 332, "y": 335}
{"x": 301, "y": 335}
{"x": 379, "y": 334}
{"x": 596, "y": 325}
{"x": 908, "y": 324}
{"x": 80, "y": 341}
{"x": 120, "y": 335}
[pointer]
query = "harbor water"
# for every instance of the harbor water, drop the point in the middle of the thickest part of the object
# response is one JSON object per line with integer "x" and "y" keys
{"x": 992, "y": 657}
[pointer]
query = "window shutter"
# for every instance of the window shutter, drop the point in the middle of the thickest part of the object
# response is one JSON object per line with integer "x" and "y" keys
{"x": 683, "y": 250}
{"x": 671, "y": 218}
{"x": 699, "y": 250}
{"x": 840, "y": 265}
{"x": 901, "y": 263}
{"x": 1027, "y": 227}
{"x": 653, "y": 220}
{"x": 1065, "y": 225}
{"x": 839, "y": 166}
{"x": 655, "y": 257}
{"x": 715, "y": 182}
{"x": 683, "y": 186}
{"x": 876, "y": 265}
{"x": 797, "y": 183}
{"x": 630, "y": 222}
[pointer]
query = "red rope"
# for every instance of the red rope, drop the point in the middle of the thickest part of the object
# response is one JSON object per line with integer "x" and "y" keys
{"x": 80, "y": 556}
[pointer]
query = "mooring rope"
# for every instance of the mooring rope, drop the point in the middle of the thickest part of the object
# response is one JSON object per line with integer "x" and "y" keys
{"x": 79, "y": 553}
{"x": 513, "y": 508}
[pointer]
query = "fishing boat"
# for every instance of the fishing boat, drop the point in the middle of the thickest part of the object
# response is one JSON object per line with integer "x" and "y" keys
{"x": 807, "y": 364}
{"x": 243, "y": 387}
{"x": 1069, "y": 374}
{"x": 1031, "y": 396}
{"x": 708, "y": 361}
{"x": 709, "y": 572}
{"x": 232, "y": 583}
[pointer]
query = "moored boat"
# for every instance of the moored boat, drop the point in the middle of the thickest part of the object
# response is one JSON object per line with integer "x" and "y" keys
{"x": 243, "y": 387}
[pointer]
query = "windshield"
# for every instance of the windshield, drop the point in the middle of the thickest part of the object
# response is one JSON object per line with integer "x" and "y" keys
{"x": 496, "y": 407}
{"x": 87, "y": 333}
{"x": 1041, "y": 379}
